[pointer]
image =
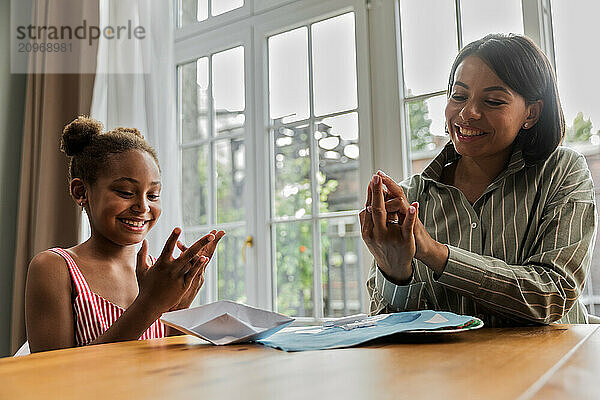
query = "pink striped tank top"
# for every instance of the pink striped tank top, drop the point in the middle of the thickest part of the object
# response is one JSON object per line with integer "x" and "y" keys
{"x": 93, "y": 313}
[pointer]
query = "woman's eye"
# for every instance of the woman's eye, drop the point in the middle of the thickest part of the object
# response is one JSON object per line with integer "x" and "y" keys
{"x": 458, "y": 97}
{"x": 124, "y": 193}
{"x": 495, "y": 102}
{"x": 154, "y": 196}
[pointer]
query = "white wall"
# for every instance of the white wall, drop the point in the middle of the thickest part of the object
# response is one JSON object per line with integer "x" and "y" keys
{"x": 12, "y": 102}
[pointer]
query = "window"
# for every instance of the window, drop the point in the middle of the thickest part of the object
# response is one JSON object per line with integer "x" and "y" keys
{"x": 212, "y": 142}
{"x": 193, "y": 11}
{"x": 273, "y": 112}
{"x": 576, "y": 67}
{"x": 432, "y": 32}
{"x": 315, "y": 190}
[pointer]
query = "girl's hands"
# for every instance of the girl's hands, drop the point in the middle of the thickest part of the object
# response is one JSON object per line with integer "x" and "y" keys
{"x": 205, "y": 253}
{"x": 167, "y": 281}
{"x": 392, "y": 243}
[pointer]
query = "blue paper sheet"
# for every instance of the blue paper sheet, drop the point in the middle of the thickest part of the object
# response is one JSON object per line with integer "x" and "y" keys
{"x": 319, "y": 338}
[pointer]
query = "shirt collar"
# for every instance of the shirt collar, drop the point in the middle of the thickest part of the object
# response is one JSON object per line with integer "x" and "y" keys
{"x": 434, "y": 169}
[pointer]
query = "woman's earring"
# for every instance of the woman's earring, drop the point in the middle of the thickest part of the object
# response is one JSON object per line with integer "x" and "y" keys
{"x": 525, "y": 125}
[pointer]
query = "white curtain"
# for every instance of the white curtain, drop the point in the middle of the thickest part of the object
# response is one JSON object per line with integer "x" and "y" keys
{"x": 135, "y": 87}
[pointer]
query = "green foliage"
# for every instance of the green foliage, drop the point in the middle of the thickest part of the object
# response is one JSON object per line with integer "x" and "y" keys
{"x": 580, "y": 131}
{"x": 293, "y": 197}
{"x": 420, "y": 137}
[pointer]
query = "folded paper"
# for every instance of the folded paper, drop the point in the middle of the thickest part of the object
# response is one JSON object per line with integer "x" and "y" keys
{"x": 369, "y": 328}
{"x": 226, "y": 322}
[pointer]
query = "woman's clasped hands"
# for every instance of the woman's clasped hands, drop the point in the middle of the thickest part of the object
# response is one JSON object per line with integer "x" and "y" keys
{"x": 394, "y": 234}
{"x": 172, "y": 283}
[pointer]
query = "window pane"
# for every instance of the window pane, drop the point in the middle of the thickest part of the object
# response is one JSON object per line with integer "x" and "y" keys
{"x": 231, "y": 173}
{"x": 337, "y": 138}
{"x": 292, "y": 194}
{"x": 288, "y": 75}
{"x": 228, "y": 80}
{"x": 195, "y": 169}
{"x": 577, "y": 67}
{"x": 481, "y": 17}
{"x": 427, "y": 130}
{"x": 293, "y": 260}
{"x": 575, "y": 24}
{"x": 202, "y": 296}
{"x": 232, "y": 270}
{"x": 194, "y": 100}
{"x": 192, "y": 11}
{"x": 429, "y": 44}
{"x": 222, "y": 6}
{"x": 342, "y": 282}
{"x": 230, "y": 123}
{"x": 334, "y": 65}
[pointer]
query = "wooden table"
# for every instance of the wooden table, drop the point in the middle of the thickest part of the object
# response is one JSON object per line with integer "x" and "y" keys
{"x": 559, "y": 361}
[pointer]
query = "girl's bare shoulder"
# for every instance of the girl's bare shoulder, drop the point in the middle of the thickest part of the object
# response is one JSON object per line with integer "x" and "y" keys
{"x": 49, "y": 269}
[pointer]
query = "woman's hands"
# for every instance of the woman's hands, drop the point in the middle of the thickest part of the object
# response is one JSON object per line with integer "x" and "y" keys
{"x": 382, "y": 237}
{"x": 165, "y": 284}
{"x": 392, "y": 243}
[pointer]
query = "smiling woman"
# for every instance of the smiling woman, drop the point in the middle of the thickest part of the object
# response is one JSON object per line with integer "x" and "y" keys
{"x": 501, "y": 223}
{"x": 100, "y": 291}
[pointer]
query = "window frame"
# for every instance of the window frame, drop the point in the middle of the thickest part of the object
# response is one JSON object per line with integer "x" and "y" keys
{"x": 250, "y": 26}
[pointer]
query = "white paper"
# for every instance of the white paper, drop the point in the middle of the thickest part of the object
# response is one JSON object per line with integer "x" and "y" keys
{"x": 225, "y": 322}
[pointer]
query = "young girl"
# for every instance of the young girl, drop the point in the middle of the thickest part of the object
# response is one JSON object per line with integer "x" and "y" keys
{"x": 100, "y": 291}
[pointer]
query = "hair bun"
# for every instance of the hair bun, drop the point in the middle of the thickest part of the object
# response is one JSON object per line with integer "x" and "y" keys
{"x": 132, "y": 131}
{"x": 78, "y": 134}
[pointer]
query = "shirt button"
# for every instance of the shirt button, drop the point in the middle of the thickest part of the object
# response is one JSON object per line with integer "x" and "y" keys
{"x": 474, "y": 225}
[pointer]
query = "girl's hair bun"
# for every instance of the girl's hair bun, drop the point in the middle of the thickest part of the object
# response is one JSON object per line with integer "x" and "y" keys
{"x": 79, "y": 134}
{"x": 131, "y": 131}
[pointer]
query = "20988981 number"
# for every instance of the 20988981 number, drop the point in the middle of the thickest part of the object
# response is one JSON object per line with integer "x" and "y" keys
{"x": 44, "y": 47}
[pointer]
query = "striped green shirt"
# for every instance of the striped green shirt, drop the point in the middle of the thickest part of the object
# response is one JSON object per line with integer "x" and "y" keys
{"x": 519, "y": 254}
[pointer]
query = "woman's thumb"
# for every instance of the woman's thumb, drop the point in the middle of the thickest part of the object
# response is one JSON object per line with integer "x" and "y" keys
{"x": 411, "y": 217}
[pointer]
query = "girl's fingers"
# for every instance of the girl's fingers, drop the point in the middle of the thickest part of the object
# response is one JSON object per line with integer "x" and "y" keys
{"x": 170, "y": 244}
{"x": 182, "y": 247}
{"x": 142, "y": 256}
{"x": 196, "y": 247}
{"x": 194, "y": 270}
{"x": 209, "y": 250}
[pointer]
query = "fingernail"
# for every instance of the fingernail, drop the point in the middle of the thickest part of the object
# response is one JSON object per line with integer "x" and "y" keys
{"x": 380, "y": 172}
{"x": 211, "y": 237}
{"x": 369, "y": 209}
{"x": 177, "y": 230}
{"x": 416, "y": 204}
{"x": 376, "y": 179}
{"x": 412, "y": 210}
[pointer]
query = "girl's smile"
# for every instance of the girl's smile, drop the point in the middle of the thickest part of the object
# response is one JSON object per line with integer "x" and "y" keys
{"x": 124, "y": 203}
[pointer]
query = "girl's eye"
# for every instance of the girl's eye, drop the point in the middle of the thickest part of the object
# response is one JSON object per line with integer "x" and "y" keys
{"x": 124, "y": 193}
{"x": 153, "y": 196}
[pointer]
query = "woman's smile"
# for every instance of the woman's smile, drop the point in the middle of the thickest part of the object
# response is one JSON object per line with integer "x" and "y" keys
{"x": 468, "y": 134}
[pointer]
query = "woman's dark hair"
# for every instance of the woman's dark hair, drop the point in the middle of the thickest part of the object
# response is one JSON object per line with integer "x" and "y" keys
{"x": 525, "y": 69}
{"x": 89, "y": 149}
